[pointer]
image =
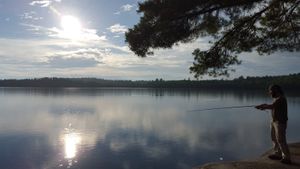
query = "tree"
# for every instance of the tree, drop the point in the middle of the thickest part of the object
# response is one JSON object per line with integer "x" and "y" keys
{"x": 234, "y": 26}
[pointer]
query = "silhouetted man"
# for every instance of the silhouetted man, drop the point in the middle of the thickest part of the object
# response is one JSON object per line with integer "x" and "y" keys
{"x": 278, "y": 124}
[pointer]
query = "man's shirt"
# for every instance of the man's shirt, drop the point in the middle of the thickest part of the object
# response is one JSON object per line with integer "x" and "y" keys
{"x": 279, "y": 111}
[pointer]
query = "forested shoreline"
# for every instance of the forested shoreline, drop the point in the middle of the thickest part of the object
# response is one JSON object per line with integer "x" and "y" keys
{"x": 291, "y": 81}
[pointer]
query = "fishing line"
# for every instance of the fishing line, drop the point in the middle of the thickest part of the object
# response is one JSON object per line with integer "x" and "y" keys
{"x": 220, "y": 108}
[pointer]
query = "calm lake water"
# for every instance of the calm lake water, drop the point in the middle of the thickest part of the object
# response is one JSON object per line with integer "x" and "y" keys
{"x": 132, "y": 128}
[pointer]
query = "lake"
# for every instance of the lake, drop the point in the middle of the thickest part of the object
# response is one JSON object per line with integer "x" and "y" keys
{"x": 124, "y": 128}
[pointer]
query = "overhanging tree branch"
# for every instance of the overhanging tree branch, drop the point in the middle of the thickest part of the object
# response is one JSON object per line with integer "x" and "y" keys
{"x": 235, "y": 24}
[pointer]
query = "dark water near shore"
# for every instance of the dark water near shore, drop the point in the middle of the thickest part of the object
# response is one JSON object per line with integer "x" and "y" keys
{"x": 132, "y": 128}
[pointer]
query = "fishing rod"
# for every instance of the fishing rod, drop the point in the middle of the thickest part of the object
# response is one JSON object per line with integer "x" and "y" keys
{"x": 219, "y": 108}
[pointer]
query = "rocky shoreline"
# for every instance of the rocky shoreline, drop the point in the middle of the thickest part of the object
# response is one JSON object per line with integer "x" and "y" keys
{"x": 262, "y": 162}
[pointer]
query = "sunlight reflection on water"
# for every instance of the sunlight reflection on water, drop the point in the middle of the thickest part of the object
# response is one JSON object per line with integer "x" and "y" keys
{"x": 71, "y": 141}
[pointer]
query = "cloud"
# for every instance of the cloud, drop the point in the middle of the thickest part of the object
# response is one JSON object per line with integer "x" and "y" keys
{"x": 85, "y": 34}
{"x": 85, "y": 57}
{"x": 70, "y": 62}
{"x": 117, "y": 13}
{"x": 30, "y": 16}
{"x": 51, "y": 53}
{"x": 99, "y": 57}
{"x": 47, "y": 56}
{"x": 87, "y": 53}
{"x": 125, "y": 8}
{"x": 43, "y": 3}
{"x": 117, "y": 28}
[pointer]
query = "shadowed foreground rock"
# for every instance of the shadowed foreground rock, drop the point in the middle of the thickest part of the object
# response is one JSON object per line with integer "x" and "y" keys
{"x": 262, "y": 163}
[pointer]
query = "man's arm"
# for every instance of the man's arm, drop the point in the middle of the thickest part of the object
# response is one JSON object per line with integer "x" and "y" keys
{"x": 264, "y": 106}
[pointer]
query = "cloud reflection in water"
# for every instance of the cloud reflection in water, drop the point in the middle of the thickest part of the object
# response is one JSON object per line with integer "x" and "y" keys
{"x": 135, "y": 128}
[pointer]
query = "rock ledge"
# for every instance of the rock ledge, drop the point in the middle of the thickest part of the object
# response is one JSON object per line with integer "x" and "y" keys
{"x": 262, "y": 163}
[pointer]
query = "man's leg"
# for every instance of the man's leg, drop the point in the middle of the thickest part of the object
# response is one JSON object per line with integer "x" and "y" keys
{"x": 280, "y": 130}
{"x": 277, "y": 155}
{"x": 276, "y": 147}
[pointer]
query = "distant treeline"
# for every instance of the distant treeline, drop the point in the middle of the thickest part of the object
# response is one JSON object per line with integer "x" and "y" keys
{"x": 291, "y": 81}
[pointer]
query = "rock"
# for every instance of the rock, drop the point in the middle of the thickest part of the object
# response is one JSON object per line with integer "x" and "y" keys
{"x": 261, "y": 163}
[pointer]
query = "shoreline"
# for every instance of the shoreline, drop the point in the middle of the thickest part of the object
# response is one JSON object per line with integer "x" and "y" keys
{"x": 262, "y": 162}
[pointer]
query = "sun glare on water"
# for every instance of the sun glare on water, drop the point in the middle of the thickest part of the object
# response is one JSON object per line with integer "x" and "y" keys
{"x": 71, "y": 27}
{"x": 71, "y": 144}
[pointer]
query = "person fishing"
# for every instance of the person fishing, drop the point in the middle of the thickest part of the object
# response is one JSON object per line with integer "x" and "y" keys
{"x": 278, "y": 124}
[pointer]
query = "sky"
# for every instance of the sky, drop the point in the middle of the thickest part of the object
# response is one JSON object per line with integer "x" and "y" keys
{"x": 85, "y": 38}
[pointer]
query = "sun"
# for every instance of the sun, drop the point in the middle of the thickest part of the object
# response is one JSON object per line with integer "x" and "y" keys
{"x": 71, "y": 26}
